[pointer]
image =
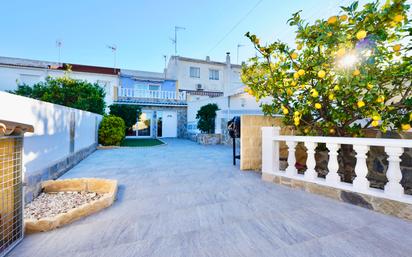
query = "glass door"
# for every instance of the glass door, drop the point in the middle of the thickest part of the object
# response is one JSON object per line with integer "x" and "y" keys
{"x": 144, "y": 125}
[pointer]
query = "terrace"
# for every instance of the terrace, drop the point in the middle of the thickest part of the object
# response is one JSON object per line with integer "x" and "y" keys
{"x": 206, "y": 207}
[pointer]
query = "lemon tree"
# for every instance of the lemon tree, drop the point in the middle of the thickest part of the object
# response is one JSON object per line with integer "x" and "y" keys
{"x": 345, "y": 73}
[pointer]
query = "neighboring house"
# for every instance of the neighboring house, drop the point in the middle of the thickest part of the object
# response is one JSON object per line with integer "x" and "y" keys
{"x": 15, "y": 71}
{"x": 202, "y": 79}
{"x": 164, "y": 108}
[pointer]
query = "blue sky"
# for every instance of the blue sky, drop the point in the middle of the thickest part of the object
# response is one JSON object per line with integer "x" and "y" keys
{"x": 141, "y": 28}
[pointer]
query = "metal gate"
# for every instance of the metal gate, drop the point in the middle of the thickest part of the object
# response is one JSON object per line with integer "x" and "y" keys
{"x": 11, "y": 187}
{"x": 11, "y": 194}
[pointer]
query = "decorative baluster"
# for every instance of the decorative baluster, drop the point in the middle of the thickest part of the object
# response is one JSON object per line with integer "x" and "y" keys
{"x": 291, "y": 169}
{"x": 333, "y": 165}
{"x": 361, "y": 183}
{"x": 394, "y": 174}
{"x": 310, "y": 173}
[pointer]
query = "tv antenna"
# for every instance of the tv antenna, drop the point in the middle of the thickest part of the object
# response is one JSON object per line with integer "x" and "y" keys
{"x": 113, "y": 47}
{"x": 237, "y": 52}
{"x": 59, "y": 44}
{"x": 174, "y": 40}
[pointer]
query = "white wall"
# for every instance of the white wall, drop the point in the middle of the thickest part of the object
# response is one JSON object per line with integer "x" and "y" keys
{"x": 11, "y": 76}
{"x": 50, "y": 141}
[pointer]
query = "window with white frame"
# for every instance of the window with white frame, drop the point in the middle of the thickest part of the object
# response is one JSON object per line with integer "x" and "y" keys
{"x": 213, "y": 74}
{"x": 194, "y": 72}
{"x": 154, "y": 87}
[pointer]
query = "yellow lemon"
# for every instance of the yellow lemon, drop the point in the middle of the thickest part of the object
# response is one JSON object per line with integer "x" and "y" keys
{"x": 318, "y": 106}
{"x": 285, "y": 111}
{"x": 289, "y": 92}
{"x": 330, "y": 34}
{"x": 297, "y": 122}
{"x": 361, "y": 104}
{"x": 369, "y": 86}
{"x": 396, "y": 48}
{"x": 376, "y": 117}
{"x": 375, "y": 123}
{"x": 410, "y": 116}
{"x": 293, "y": 83}
{"x": 307, "y": 130}
{"x": 398, "y": 18}
{"x": 361, "y": 34}
{"x": 341, "y": 52}
{"x": 301, "y": 72}
{"x": 296, "y": 75}
{"x": 299, "y": 46}
{"x": 314, "y": 93}
{"x": 406, "y": 127}
{"x": 380, "y": 99}
{"x": 294, "y": 55}
{"x": 336, "y": 88}
{"x": 331, "y": 97}
{"x": 332, "y": 131}
{"x": 296, "y": 114}
{"x": 332, "y": 19}
{"x": 321, "y": 74}
{"x": 343, "y": 17}
{"x": 356, "y": 72}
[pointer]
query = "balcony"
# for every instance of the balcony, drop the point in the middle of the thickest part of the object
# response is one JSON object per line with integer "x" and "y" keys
{"x": 155, "y": 97}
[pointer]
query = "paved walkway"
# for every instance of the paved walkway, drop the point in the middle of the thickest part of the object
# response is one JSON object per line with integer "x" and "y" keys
{"x": 184, "y": 199}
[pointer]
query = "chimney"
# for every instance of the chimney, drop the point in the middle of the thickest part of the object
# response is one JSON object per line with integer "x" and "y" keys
{"x": 228, "y": 58}
{"x": 208, "y": 58}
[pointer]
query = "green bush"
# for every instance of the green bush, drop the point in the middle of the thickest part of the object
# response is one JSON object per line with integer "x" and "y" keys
{"x": 66, "y": 91}
{"x": 129, "y": 113}
{"x": 206, "y": 116}
{"x": 111, "y": 130}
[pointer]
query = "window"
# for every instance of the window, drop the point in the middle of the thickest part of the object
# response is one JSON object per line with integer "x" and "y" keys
{"x": 154, "y": 87}
{"x": 213, "y": 74}
{"x": 194, "y": 72}
{"x": 140, "y": 86}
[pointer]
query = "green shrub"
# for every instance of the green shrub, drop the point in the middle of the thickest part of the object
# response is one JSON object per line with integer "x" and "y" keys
{"x": 111, "y": 130}
{"x": 129, "y": 113}
{"x": 66, "y": 91}
{"x": 206, "y": 116}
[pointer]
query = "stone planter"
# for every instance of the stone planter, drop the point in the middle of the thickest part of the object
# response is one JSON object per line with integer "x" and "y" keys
{"x": 209, "y": 139}
{"x": 101, "y": 186}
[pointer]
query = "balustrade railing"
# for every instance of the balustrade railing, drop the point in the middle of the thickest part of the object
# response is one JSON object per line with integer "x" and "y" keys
{"x": 152, "y": 94}
{"x": 394, "y": 148}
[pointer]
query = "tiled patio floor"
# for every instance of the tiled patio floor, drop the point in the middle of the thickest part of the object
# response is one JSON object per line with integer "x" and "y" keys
{"x": 184, "y": 199}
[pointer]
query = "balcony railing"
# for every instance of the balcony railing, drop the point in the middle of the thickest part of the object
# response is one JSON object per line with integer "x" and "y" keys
{"x": 394, "y": 148}
{"x": 151, "y": 94}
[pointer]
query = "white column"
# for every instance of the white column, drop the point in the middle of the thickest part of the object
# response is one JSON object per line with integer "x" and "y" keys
{"x": 394, "y": 174}
{"x": 310, "y": 173}
{"x": 270, "y": 150}
{"x": 291, "y": 169}
{"x": 333, "y": 165}
{"x": 361, "y": 183}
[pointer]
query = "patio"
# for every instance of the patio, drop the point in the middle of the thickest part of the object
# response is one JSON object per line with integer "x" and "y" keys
{"x": 185, "y": 199}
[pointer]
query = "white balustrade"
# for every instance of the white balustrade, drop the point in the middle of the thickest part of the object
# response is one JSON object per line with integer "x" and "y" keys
{"x": 152, "y": 94}
{"x": 394, "y": 148}
{"x": 291, "y": 169}
{"x": 310, "y": 173}
{"x": 333, "y": 166}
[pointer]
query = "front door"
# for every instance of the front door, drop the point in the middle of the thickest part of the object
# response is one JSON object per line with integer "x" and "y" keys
{"x": 168, "y": 124}
{"x": 144, "y": 125}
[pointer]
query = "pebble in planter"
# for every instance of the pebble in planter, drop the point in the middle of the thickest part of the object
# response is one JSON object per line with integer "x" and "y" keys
{"x": 65, "y": 201}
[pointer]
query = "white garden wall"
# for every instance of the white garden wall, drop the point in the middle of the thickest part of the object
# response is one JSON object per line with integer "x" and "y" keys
{"x": 50, "y": 143}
